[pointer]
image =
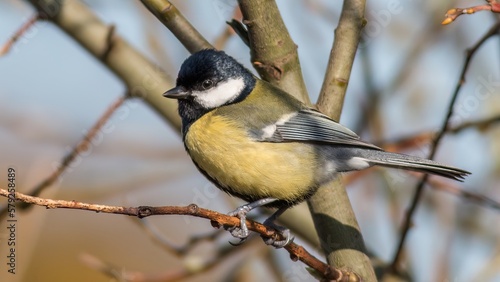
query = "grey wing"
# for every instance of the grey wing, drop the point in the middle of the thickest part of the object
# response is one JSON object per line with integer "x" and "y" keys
{"x": 309, "y": 125}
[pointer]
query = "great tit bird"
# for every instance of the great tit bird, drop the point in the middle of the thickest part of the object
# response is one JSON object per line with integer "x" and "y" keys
{"x": 257, "y": 142}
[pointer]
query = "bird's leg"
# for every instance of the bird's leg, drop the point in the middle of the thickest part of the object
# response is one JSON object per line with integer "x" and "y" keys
{"x": 285, "y": 232}
{"x": 241, "y": 212}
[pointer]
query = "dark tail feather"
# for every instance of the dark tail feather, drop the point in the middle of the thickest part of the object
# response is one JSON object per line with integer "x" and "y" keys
{"x": 413, "y": 163}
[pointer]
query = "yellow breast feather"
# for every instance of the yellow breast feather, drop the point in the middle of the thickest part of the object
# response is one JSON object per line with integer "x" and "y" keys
{"x": 227, "y": 154}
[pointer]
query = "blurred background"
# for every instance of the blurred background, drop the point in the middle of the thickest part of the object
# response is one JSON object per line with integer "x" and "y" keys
{"x": 52, "y": 91}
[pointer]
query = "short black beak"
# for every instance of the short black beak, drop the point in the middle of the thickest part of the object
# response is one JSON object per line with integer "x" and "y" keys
{"x": 178, "y": 92}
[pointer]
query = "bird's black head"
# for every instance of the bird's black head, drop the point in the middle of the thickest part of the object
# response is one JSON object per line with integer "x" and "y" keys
{"x": 207, "y": 80}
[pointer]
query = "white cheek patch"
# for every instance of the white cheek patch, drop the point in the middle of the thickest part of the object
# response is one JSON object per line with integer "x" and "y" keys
{"x": 268, "y": 131}
{"x": 221, "y": 94}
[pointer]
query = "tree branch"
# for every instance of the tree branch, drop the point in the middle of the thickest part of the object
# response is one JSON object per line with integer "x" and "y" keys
{"x": 193, "y": 241}
{"x": 425, "y": 137}
{"x": 480, "y": 124}
{"x": 217, "y": 220}
{"x": 273, "y": 52}
{"x": 345, "y": 45}
{"x": 330, "y": 206}
{"x": 142, "y": 78}
{"x": 444, "y": 127}
{"x": 80, "y": 147}
{"x": 18, "y": 34}
{"x": 439, "y": 184}
{"x": 177, "y": 24}
{"x": 186, "y": 271}
{"x": 452, "y": 14}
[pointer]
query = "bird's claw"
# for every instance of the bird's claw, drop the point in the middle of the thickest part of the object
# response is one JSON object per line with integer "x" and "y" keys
{"x": 242, "y": 231}
{"x": 239, "y": 232}
{"x": 238, "y": 243}
{"x": 284, "y": 232}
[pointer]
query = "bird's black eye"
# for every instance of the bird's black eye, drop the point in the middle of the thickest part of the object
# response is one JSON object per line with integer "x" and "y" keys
{"x": 207, "y": 84}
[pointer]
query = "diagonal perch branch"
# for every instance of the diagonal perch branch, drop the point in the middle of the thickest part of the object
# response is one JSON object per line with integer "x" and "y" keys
{"x": 177, "y": 24}
{"x": 217, "y": 219}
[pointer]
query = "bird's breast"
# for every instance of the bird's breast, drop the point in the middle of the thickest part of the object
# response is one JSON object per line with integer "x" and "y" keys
{"x": 248, "y": 168}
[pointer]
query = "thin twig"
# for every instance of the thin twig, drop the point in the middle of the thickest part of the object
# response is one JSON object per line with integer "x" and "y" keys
{"x": 217, "y": 220}
{"x": 189, "y": 269}
{"x": 452, "y": 14}
{"x": 370, "y": 113}
{"x": 415, "y": 140}
{"x": 142, "y": 78}
{"x": 179, "y": 251}
{"x": 436, "y": 183}
{"x": 467, "y": 195}
{"x": 419, "y": 189}
{"x": 18, "y": 34}
{"x": 168, "y": 14}
{"x": 80, "y": 147}
{"x": 481, "y": 124}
